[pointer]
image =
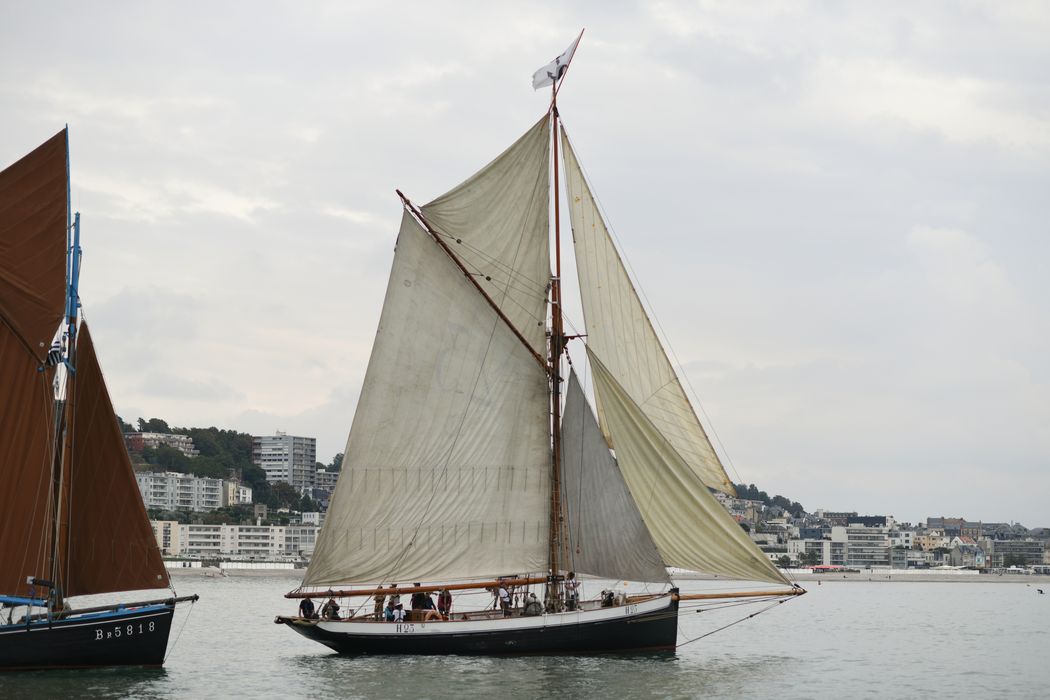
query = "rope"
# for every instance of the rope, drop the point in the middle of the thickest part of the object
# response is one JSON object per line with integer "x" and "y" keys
{"x": 735, "y": 622}
{"x": 181, "y": 629}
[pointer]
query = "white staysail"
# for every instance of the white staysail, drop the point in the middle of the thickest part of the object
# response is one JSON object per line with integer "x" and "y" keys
{"x": 446, "y": 473}
{"x": 606, "y": 534}
{"x": 497, "y": 224}
{"x": 690, "y": 527}
{"x": 620, "y": 332}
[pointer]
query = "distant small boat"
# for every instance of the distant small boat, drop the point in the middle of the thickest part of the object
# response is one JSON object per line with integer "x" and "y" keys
{"x": 72, "y": 522}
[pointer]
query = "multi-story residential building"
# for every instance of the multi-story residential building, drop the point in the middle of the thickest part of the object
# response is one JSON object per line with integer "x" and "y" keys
{"x": 1029, "y": 550}
{"x": 242, "y": 541}
{"x": 863, "y": 546}
{"x": 173, "y": 491}
{"x": 200, "y": 540}
{"x": 931, "y": 539}
{"x": 286, "y": 458}
{"x": 902, "y": 538}
{"x": 137, "y": 442}
{"x": 324, "y": 479}
{"x": 834, "y": 518}
{"x": 235, "y": 494}
{"x": 167, "y": 533}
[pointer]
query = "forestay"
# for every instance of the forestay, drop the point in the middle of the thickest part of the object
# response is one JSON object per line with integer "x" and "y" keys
{"x": 446, "y": 473}
{"x": 606, "y": 534}
{"x": 690, "y": 527}
{"x": 621, "y": 333}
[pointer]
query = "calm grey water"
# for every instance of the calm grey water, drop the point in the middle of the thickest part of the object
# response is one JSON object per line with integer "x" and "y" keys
{"x": 842, "y": 640}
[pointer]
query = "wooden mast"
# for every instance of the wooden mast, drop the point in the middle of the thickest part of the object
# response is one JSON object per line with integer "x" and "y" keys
{"x": 557, "y": 344}
{"x": 558, "y": 554}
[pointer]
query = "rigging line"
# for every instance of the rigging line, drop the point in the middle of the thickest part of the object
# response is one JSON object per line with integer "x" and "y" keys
{"x": 735, "y": 622}
{"x": 654, "y": 317}
{"x": 44, "y": 473}
{"x": 532, "y": 286}
{"x": 418, "y": 215}
{"x": 185, "y": 620}
{"x": 18, "y": 336}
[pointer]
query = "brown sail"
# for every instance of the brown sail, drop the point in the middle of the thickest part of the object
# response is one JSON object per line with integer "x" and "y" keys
{"x": 26, "y": 455}
{"x": 32, "y": 298}
{"x": 111, "y": 544}
{"x": 33, "y": 219}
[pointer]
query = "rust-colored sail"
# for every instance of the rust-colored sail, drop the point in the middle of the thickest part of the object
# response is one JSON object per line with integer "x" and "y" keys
{"x": 33, "y": 217}
{"x": 111, "y": 544}
{"x": 26, "y": 457}
{"x": 32, "y": 299}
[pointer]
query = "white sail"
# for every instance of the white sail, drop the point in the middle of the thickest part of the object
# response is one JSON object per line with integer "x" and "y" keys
{"x": 446, "y": 473}
{"x": 605, "y": 531}
{"x": 620, "y": 332}
{"x": 690, "y": 527}
{"x": 497, "y": 224}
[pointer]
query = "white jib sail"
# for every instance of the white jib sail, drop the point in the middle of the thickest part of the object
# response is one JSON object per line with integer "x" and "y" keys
{"x": 690, "y": 527}
{"x": 497, "y": 224}
{"x": 620, "y": 332}
{"x": 446, "y": 473}
{"x": 606, "y": 534}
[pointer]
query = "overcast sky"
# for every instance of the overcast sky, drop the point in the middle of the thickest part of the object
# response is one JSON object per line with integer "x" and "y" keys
{"x": 839, "y": 211}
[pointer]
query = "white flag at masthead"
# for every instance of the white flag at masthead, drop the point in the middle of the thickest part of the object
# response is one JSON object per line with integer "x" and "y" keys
{"x": 555, "y": 69}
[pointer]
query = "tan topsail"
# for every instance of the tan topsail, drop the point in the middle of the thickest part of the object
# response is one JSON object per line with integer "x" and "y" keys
{"x": 620, "y": 332}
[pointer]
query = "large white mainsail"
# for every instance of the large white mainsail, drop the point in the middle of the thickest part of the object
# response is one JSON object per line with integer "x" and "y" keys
{"x": 446, "y": 473}
{"x": 606, "y": 534}
{"x": 690, "y": 527}
{"x": 620, "y": 333}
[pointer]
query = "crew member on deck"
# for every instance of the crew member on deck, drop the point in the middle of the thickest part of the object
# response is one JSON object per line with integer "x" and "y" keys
{"x": 306, "y": 608}
{"x": 330, "y": 610}
{"x": 380, "y": 604}
{"x": 444, "y": 602}
{"x": 504, "y": 599}
{"x": 418, "y": 598}
{"x": 572, "y": 591}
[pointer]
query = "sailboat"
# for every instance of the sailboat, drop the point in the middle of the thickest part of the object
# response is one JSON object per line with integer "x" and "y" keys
{"x": 72, "y": 521}
{"x": 475, "y": 461}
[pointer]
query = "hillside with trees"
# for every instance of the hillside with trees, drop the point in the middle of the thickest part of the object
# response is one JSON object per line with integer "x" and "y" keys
{"x": 751, "y": 493}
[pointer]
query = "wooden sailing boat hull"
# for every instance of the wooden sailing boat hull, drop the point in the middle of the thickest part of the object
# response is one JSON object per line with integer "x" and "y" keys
{"x": 137, "y": 637}
{"x": 649, "y": 626}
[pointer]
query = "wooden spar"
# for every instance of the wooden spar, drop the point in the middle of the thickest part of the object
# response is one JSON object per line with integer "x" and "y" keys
{"x": 348, "y": 593}
{"x": 742, "y": 594}
{"x": 459, "y": 263}
{"x": 557, "y": 344}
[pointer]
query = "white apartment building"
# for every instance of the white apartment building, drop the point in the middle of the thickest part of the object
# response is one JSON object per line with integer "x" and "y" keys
{"x": 172, "y": 490}
{"x": 264, "y": 542}
{"x": 324, "y": 479}
{"x": 286, "y": 458}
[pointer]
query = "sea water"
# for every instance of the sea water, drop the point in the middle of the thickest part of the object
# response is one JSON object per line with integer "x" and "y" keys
{"x": 841, "y": 640}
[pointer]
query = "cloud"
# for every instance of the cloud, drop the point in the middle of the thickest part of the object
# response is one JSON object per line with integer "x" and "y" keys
{"x": 838, "y": 212}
